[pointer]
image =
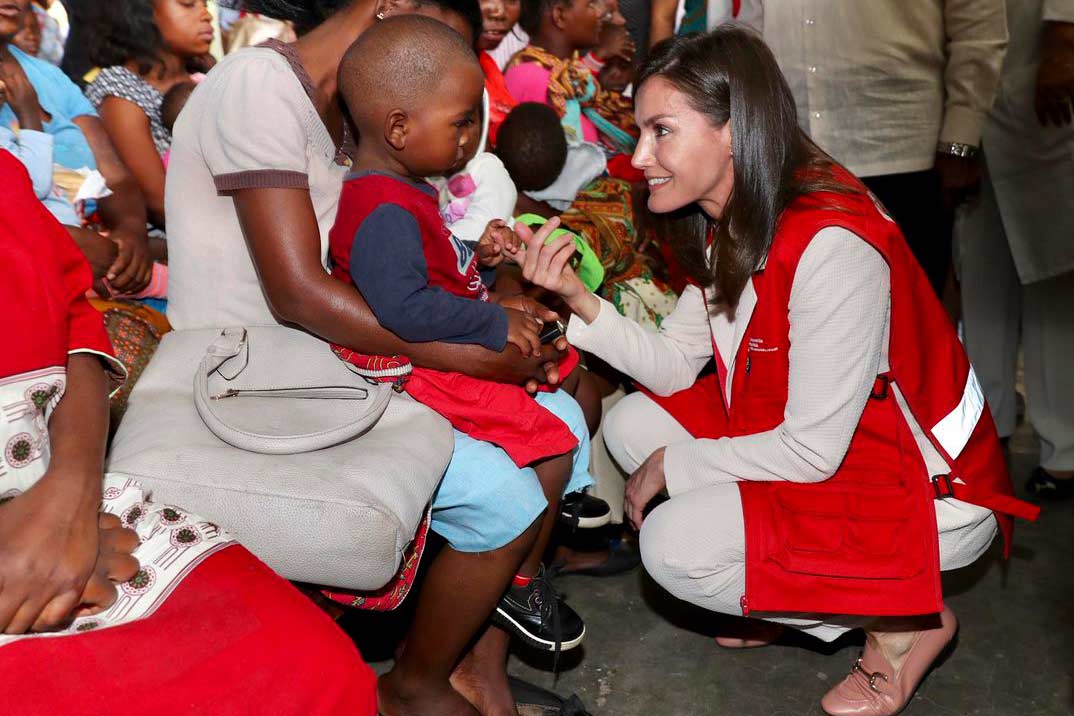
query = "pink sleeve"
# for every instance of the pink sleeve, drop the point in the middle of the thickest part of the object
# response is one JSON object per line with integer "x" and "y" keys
{"x": 528, "y": 82}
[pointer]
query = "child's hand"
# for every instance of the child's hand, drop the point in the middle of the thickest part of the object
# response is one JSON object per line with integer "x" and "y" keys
{"x": 497, "y": 241}
{"x": 524, "y": 331}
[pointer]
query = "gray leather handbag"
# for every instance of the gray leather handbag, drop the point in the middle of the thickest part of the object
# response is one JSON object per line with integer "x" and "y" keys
{"x": 279, "y": 391}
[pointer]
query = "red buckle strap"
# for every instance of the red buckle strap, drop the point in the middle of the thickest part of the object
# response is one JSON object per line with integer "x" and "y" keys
{"x": 880, "y": 387}
{"x": 945, "y": 487}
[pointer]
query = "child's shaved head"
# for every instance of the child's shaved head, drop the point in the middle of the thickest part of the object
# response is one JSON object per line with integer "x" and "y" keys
{"x": 398, "y": 64}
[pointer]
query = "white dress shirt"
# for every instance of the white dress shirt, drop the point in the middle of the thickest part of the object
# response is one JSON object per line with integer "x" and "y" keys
{"x": 879, "y": 82}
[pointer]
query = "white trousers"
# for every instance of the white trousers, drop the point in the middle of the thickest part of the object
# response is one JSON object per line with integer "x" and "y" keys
{"x": 998, "y": 312}
{"x": 694, "y": 545}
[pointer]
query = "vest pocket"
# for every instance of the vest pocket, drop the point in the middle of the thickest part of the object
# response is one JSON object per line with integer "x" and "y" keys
{"x": 844, "y": 531}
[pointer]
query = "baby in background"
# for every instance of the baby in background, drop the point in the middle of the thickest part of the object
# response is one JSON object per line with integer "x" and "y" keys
{"x": 170, "y": 107}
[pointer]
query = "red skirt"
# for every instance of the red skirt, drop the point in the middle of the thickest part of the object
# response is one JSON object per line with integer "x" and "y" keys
{"x": 233, "y": 638}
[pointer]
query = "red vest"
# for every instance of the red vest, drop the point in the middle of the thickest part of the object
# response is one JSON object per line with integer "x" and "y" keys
{"x": 865, "y": 540}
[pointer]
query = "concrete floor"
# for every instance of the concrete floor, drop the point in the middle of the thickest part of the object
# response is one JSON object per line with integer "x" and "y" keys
{"x": 648, "y": 655}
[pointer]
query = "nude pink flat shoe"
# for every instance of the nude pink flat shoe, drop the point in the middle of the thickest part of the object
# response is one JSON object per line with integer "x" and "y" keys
{"x": 874, "y": 688}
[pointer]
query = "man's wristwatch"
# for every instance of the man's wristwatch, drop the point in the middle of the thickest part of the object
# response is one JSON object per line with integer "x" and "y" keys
{"x": 957, "y": 149}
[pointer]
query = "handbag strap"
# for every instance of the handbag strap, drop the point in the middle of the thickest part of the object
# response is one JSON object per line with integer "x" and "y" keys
{"x": 228, "y": 355}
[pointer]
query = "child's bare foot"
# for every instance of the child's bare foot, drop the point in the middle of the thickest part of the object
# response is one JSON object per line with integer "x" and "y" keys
{"x": 398, "y": 696}
{"x": 481, "y": 676}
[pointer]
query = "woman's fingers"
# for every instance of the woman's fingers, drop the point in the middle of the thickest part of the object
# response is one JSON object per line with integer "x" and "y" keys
{"x": 119, "y": 567}
{"x": 108, "y": 521}
{"x": 118, "y": 539}
{"x": 25, "y": 615}
{"x": 56, "y": 613}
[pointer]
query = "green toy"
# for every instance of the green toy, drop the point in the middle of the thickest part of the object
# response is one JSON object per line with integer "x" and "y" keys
{"x": 585, "y": 263}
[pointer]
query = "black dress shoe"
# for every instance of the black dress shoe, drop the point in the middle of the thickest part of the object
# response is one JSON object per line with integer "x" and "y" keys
{"x": 1044, "y": 486}
{"x": 537, "y": 615}
{"x": 580, "y": 510}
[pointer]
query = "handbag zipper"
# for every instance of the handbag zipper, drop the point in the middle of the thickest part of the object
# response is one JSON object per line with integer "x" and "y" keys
{"x": 330, "y": 393}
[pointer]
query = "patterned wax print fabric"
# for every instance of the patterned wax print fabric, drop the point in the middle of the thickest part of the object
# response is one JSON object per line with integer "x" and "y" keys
{"x": 46, "y": 317}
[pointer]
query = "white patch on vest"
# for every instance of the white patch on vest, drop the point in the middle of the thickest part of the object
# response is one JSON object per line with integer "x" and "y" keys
{"x": 953, "y": 432}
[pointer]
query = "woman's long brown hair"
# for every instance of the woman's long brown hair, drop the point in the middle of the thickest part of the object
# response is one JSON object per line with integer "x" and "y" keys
{"x": 730, "y": 75}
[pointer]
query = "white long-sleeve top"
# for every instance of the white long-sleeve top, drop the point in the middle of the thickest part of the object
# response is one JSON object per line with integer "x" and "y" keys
{"x": 840, "y": 315}
{"x": 839, "y": 310}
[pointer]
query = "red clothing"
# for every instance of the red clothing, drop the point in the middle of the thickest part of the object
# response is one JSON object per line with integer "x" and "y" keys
{"x": 222, "y": 641}
{"x": 864, "y": 541}
{"x": 504, "y": 415}
{"x": 233, "y": 639}
{"x": 501, "y": 101}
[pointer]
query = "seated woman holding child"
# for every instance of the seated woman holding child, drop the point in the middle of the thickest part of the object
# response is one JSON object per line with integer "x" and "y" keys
{"x": 257, "y": 168}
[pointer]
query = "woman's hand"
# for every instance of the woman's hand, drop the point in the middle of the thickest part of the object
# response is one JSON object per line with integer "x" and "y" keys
{"x": 115, "y": 565}
{"x": 646, "y": 482}
{"x": 133, "y": 267}
{"x": 48, "y": 550}
{"x": 16, "y": 90}
{"x": 547, "y": 265}
{"x": 98, "y": 250}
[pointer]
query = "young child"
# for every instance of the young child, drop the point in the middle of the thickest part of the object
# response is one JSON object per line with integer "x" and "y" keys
{"x": 170, "y": 107}
{"x": 422, "y": 282}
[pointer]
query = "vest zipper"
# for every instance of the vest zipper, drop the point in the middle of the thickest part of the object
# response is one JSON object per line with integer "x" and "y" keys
{"x": 745, "y": 606}
{"x": 748, "y": 361}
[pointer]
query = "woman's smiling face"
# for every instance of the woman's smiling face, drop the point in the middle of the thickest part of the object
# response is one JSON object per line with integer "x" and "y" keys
{"x": 685, "y": 157}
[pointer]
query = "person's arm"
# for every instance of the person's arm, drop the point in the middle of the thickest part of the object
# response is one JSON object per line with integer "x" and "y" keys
{"x": 129, "y": 130}
{"x": 123, "y": 212}
{"x": 664, "y": 362}
{"x": 387, "y": 265}
{"x": 34, "y": 150}
{"x": 838, "y": 307}
{"x": 1054, "y": 98}
{"x": 281, "y": 230}
{"x": 48, "y": 534}
{"x": 662, "y": 20}
{"x": 976, "y": 44}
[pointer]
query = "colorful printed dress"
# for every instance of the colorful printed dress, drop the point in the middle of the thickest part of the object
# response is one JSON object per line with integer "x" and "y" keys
{"x": 199, "y": 602}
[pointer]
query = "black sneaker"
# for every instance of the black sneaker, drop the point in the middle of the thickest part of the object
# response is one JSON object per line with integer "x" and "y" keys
{"x": 580, "y": 510}
{"x": 537, "y": 615}
{"x": 1046, "y": 487}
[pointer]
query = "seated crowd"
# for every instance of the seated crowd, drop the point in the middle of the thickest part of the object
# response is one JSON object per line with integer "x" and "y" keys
{"x": 479, "y": 241}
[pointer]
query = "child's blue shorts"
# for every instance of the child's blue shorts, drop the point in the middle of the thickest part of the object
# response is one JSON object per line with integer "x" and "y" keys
{"x": 485, "y": 501}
